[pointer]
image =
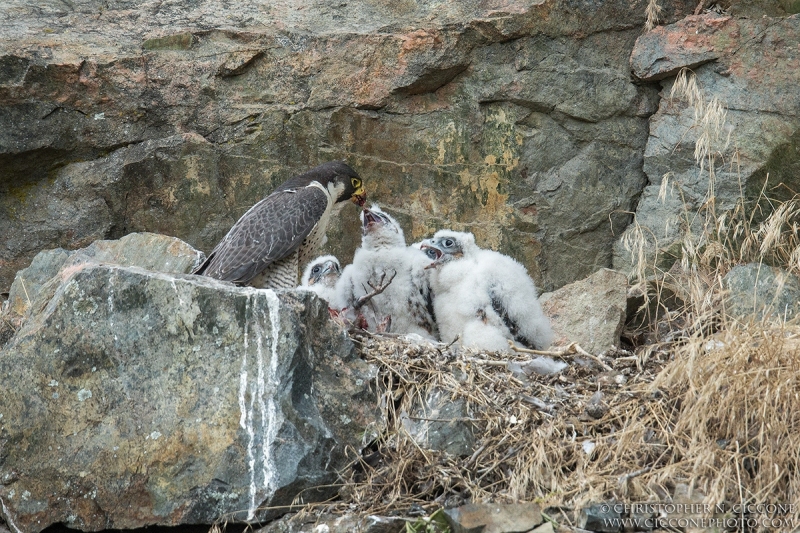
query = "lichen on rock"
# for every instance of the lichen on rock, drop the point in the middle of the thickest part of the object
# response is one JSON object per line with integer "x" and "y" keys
{"x": 172, "y": 399}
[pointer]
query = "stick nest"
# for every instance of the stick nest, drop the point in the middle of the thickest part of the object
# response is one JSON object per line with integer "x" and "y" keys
{"x": 717, "y": 414}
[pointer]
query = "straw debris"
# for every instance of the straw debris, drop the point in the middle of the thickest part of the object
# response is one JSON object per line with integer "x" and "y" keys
{"x": 533, "y": 431}
{"x": 652, "y": 14}
{"x": 719, "y": 412}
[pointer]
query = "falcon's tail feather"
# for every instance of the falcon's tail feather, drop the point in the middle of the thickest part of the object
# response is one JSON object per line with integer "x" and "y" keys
{"x": 201, "y": 269}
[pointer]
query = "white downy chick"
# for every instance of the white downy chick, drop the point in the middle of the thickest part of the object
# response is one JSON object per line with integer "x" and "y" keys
{"x": 482, "y": 296}
{"x": 321, "y": 275}
{"x": 404, "y": 306}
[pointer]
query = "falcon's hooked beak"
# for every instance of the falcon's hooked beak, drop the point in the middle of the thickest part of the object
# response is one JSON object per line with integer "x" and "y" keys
{"x": 359, "y": 197}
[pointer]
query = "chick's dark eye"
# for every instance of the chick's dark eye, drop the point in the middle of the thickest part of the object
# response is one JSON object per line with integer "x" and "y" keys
{"x": 315, "y": 270}
{"x": 449, "y": 242}
{"x": 430, "y": 253}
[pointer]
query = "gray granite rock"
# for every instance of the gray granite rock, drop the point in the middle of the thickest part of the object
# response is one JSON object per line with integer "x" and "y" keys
{"x": 336, "y": 524}
{"x": 515, "y": 119}
{"x": 132, "y": 398}
{"x": 601, "y": 518}
{"x": 494, "y": 518}
{"x": 757, "y": 291}
{"x": 590, "y": 312}
{"x": 744, "y": 64}
{"x": 441, "y": 423}
{"x": 150, "y": 251}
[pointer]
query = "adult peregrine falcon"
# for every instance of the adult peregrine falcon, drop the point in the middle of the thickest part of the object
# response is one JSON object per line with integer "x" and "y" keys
{"x": 482, "y": 296}
{"x": 267, "y": 246}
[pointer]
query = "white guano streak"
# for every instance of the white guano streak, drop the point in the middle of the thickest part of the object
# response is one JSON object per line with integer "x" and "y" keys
{"x": 246, "y": 417}
{"x": 7, "y": 514}
{"x": 270, "y": 411}
{"x": 262, "y": 396}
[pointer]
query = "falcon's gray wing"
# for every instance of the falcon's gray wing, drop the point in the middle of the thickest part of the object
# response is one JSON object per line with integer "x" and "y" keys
{"x": 271, "y": 230}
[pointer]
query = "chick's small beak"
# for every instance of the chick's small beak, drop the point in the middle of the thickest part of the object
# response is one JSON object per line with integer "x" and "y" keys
{"x": 329, "y": 269}
{"x": 433, "y": 253}
{"x": 370, "y": 218}
{"x": 430, "y": 251}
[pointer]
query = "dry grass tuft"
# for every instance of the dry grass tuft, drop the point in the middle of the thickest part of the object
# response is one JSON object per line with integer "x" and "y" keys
{"x": 534, "y": 438}
{"x": 652, "y": 13}
{"x": 736, "y": 432}
{"x": 713, "y": 134}
{"x": 719, "y": 413}
{"x": 776, "y": 241}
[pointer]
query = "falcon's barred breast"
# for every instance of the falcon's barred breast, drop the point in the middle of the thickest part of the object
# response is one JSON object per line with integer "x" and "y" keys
{"x": 274, "y": 238}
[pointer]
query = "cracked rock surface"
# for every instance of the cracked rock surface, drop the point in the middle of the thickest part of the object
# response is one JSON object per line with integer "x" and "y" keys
{"x": 515, "y": 119}
{"x": 160, "y": 398}
{"x": 752, "y": 68}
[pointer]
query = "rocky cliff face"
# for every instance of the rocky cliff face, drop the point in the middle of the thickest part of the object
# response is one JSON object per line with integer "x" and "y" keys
{"x": 752, "y": 68}
{"x": 516, "y": 119}
{"x": 133, "y": 397}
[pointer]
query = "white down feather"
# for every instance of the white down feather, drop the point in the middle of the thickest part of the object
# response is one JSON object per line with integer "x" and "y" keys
{"x": 324, "y": 282}
{"x": 464, "y": 289}
{"x": 403, "y": 303}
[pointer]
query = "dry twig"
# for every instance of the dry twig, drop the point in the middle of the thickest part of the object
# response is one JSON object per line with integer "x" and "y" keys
{"x": 374, "y": 292}
{"x": 570, "y": 349}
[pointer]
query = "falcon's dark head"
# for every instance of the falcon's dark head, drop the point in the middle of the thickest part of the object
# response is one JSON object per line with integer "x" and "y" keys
{"x": 342, "y": 182}
{"x": 345, "y": 182}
